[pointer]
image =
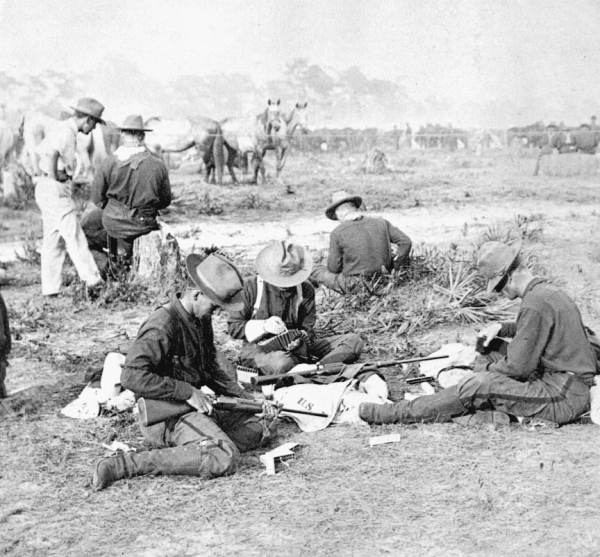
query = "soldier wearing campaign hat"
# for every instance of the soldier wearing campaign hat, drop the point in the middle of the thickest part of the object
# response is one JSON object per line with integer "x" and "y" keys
{"x": 131, "y": 187}
{"x": 172, "y": 357}
{"x": 54, "y": 168}
{"x": 279, "y": 299}
{"x": 548, "y": 367}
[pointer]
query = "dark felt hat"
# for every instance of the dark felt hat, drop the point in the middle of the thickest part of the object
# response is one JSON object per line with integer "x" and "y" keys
{"x": 217, "y": 278}
{"x": 495, "y": 260}
{"x": 90, "y": 107}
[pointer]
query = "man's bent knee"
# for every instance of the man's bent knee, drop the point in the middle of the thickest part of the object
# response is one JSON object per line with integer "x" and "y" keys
{"x": 476, "y": 384}
{"x": 228, "y": 459}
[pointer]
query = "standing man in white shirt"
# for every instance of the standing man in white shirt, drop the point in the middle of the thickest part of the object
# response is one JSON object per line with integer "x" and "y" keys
{"x": 62, "y": 230}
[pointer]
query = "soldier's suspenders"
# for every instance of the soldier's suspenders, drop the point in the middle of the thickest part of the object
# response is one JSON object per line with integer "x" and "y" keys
{"x": 260, "y": 287}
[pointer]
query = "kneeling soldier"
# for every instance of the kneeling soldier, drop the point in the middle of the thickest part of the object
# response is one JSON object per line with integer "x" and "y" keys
{"x": 548, "y": 368}
{"x": 171, "y": 358}
{"x": 280, "y": 298}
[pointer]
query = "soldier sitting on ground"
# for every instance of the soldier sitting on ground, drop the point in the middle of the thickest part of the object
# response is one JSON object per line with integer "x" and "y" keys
{"x": 548, "y": 368}
{"x": 279, "y": 299}
{"x": 361, "y": 247}
{"x": 174, "y": 356}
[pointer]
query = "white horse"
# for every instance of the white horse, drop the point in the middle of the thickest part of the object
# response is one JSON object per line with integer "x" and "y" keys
{"x": 270, "y": 130}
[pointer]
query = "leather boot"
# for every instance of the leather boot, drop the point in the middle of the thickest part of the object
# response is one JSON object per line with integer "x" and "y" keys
{"x": 207, "y": 459}
{"x": 440, "y": 407}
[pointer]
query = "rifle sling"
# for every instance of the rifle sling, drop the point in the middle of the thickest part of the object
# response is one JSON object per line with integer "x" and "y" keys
{"x": 217, "y": 442}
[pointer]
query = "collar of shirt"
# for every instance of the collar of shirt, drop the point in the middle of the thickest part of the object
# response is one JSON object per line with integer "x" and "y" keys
{"x": 190, "y": 320}
{"x": 354, "y": 215}
{"x": 532, "y": 283}
{"x": 124, "y": 153}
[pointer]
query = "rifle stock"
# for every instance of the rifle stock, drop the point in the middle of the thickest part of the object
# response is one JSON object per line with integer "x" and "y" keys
{"x": 152, "y": 411}
{"x": 335, "y": 368}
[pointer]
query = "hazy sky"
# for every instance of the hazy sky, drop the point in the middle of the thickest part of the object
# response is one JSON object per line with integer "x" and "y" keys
{"x": 459, "y": 50}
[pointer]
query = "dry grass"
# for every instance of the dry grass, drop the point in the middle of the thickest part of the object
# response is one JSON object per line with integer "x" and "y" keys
{"x": 439, "y": 288}
{"x": 443, "y": 490}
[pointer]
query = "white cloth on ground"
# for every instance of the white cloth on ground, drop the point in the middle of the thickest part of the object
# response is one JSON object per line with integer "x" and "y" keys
{"x": 108, "y": 393}
{"x": 460, "y": 355}
{"x": 340, "y": 401}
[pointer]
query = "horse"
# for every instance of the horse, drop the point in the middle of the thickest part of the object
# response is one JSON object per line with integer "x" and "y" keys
{"x": 10, "y": 142}
{"x": 176, "y": 136}
{"x": 250, "y": 134}
{"x": 295, "y": 120}
{"x": 270, "y": 130}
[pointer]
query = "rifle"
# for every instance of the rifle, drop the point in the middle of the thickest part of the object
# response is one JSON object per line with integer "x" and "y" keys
{"x": 337, "y": 368}
{"x": 153, "y": 411}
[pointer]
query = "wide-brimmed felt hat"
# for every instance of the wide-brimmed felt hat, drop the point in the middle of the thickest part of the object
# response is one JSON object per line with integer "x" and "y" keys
{"x": 134, "y": 122}
{"x": 339, "y": 197}
{"x": 90, "y": 107}
{"x": 217, "y": 278}
{"x": 495, "y": 260}
{"x": 283, "y": 264}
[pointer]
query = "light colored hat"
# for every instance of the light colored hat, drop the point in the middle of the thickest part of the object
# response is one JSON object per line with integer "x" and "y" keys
{"x": 283, "y": 264}
{"x": 90, "y": 107}
{"x": 339, "y": 197}
{"x": 134, "y": 122}
{"x": 217, "y": 278}
{"x": 495, "y": 260}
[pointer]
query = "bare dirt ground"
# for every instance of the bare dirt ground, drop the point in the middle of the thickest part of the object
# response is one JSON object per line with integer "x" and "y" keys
{"x": 442, "y": 490}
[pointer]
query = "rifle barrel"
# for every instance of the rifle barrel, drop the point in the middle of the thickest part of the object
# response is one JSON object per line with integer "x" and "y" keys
{"x": 334, "y": 368}
{"x": 294, "y": 411}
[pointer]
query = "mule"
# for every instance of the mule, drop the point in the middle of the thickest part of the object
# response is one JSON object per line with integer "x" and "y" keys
{"x": 10, "y": 142}
{"x": 176, "y": 136}
{"x": 270, "y": 130}
{"x": 296, "y": 120}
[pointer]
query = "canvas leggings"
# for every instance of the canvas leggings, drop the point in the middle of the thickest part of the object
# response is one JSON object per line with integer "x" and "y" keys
{"x": 200, "y": 445}
{"x": 62, "y": 234}
{"x": 338, "y": 348}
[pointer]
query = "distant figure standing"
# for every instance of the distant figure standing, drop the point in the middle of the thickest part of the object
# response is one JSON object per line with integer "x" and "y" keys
{"x": 360, "y": 247}
{"x": 396, "y": 135}
{"x": 56, "y": 167}
{"x": 131, "y": 187}
{"x": 408, "y": 136}
{"x": 4, "y": 346}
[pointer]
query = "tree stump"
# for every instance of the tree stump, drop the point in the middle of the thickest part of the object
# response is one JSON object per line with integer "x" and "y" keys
{"x": 157, "y": 258}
